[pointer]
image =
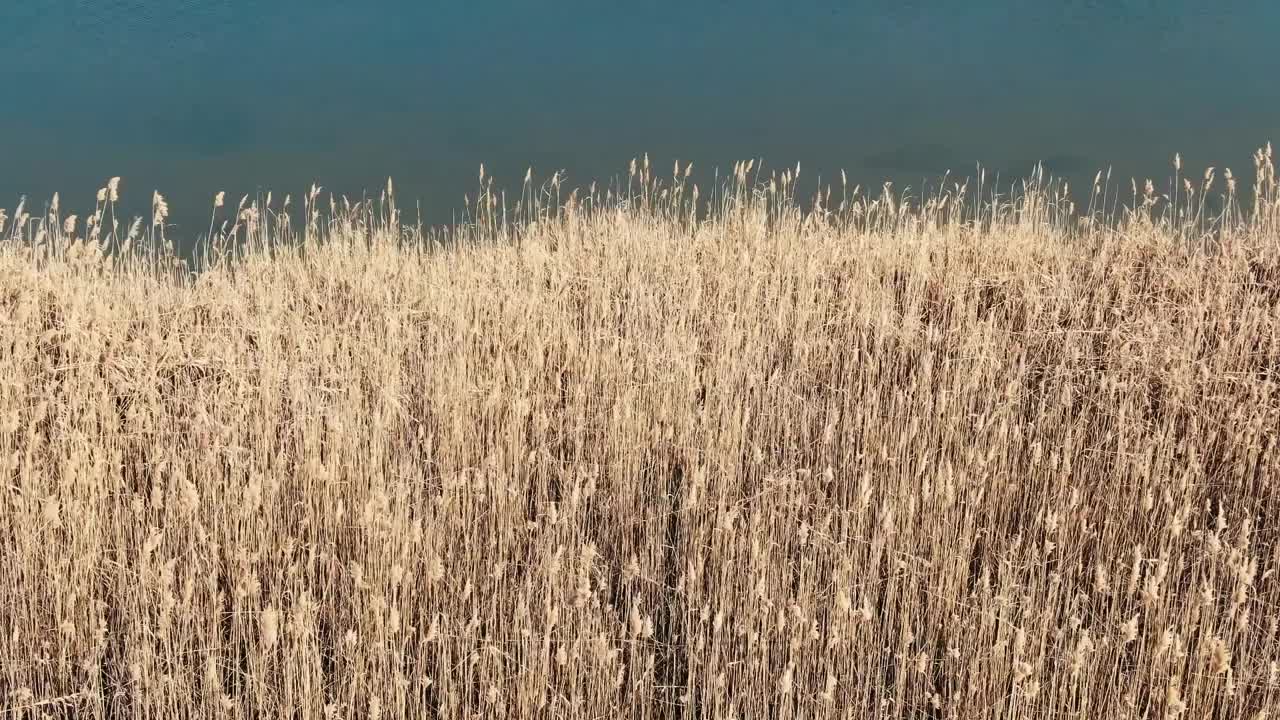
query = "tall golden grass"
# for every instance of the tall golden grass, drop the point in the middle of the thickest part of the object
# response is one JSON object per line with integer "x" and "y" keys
{"x": 634, "y": 453}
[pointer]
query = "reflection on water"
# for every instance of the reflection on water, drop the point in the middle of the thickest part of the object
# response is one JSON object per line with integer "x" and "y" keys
{"x": 194, "y": 96}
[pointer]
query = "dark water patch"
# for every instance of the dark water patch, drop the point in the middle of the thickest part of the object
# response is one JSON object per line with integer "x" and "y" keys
{"x": 1066, "y": 164}
{"x": 224, "y": 127}
{"x": 920, "y": 158}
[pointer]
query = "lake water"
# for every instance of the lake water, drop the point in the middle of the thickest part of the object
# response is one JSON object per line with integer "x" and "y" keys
{"x": 241, "y": 95}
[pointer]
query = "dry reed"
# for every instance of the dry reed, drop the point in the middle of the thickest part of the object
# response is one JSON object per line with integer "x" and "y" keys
{"x": 627, "y": 453}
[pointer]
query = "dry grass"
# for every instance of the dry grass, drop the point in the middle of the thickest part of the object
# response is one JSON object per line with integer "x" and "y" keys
{"x": 603, "y": 456}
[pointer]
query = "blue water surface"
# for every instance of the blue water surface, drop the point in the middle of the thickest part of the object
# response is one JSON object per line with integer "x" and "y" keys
{"x": 195, "y": 96}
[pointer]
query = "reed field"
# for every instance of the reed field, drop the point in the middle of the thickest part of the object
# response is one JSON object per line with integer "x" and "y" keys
{"x": 639, "y": 453}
